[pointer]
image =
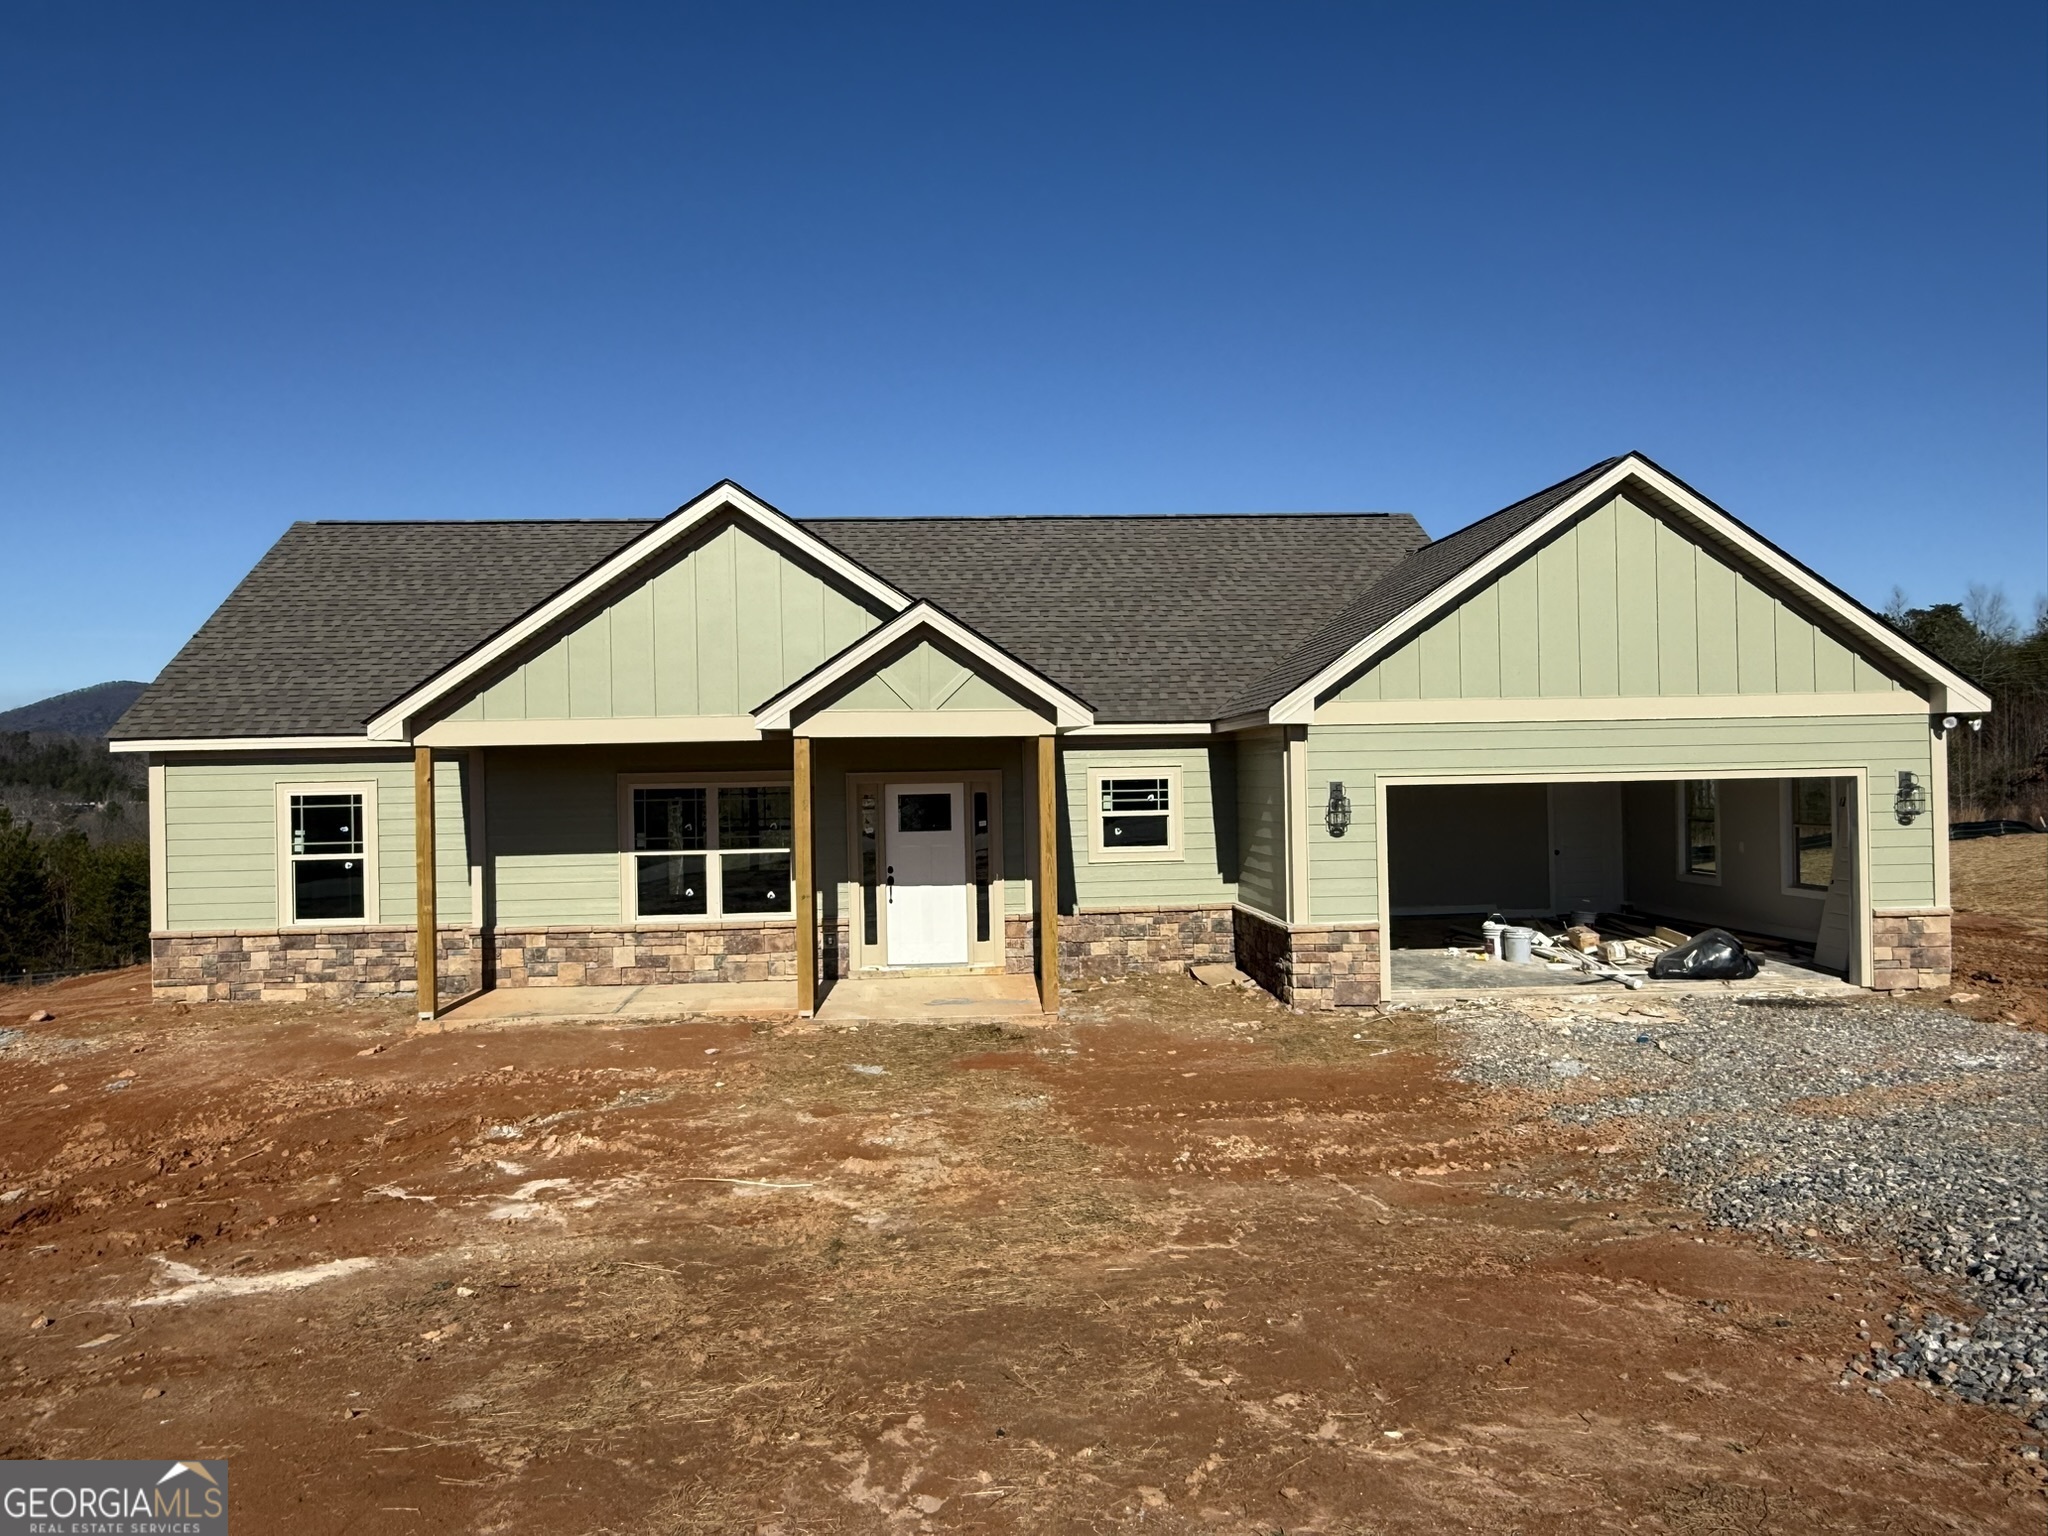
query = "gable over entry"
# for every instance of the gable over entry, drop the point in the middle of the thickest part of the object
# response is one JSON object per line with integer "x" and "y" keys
{"x": 924, "y": 673}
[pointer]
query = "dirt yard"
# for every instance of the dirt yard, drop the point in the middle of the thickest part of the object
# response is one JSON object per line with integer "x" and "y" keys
{"x": 2000, "y": 889}
{"x": 1182, "y": 1262}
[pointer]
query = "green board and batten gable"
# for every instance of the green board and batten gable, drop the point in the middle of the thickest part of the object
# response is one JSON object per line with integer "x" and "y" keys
{"x": 1620, "y": 603}
{"x": 726, "y": 624}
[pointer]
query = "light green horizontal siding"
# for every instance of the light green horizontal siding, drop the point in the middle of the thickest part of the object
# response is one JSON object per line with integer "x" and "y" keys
{"x": 1343, "y": 873}
{"x": 221, "y": 839}
{"x": 552, "y": 821}
{"x": 1620, "y": 604}
{"x": 1262, "y": 821}
{"x": 717, "y": 632}
{"x": 1204, "y": 874}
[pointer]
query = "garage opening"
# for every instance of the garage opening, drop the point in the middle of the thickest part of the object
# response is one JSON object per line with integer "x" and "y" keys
{"x": 1616, "y": 870}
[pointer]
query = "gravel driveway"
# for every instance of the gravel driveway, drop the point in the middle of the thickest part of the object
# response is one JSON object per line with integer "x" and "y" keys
{"x": 1860, "y": 1123}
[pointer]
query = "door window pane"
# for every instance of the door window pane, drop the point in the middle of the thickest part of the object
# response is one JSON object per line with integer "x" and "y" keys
{"x": 870, "y": 826}
{"x": 981, "y": 866}
{"x": 327, "y": 890}
{"x": 1702, "y": 827}
{"x": 673, "y": 885}
{"x": 756, "y": 882}
{"x": 1813, "y": 834}
{"x": 668, "y": 819}
{"x": 924, "y": 813}
{"x": 754, "y": 817}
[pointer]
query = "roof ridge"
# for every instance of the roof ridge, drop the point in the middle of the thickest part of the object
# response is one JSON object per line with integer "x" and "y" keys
{"x": 463, "y": 522}
{"x": 1072, "y": 517}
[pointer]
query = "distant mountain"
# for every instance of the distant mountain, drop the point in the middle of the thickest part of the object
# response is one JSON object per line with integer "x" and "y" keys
{"x": 81, "y": 712}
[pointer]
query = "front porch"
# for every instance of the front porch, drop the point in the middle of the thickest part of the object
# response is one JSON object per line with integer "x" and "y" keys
{"x": 866, "y": 999}
{"x": 835, "y": 875}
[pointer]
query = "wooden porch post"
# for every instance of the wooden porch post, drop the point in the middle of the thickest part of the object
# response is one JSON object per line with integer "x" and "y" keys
{"x": 424, "y": 950}
{"x": 1048, "y": 881}
{"x": 803, "y": 881}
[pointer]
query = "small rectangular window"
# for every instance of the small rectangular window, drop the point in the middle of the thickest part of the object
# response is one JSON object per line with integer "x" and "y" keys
{"x": 1810, "y": 834}
{"x": 1135, "y": 813}
{"x": 924, "y": 813}
{"x": 1700, "y": 810}
{"x": 328, "y": 878}
{"x": 711, "y": 851}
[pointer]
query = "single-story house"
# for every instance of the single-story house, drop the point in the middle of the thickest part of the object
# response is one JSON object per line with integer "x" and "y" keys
{"x": 736, "y": 745}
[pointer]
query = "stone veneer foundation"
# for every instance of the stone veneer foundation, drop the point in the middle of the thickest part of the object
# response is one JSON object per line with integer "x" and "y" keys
{"x": 645, "y": 957}
{"x": 1319, "y": 967}
{"x": 334, "y": 964}
{"x": 1143, "y": 941}
{"x": 1910, "y": 950}
{"x": 1310, "y": 965}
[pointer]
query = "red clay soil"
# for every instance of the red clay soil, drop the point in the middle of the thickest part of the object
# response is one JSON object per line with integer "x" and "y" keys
{"x": 1181, "y": 1263}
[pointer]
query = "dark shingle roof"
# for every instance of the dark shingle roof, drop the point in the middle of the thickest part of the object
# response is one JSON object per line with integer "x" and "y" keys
{"x": 1420, "y": 574}
{"x": 1145, "y": 618}
{"x": 338, "y": 619}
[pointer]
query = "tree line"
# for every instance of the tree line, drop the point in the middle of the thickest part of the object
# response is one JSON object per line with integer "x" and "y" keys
{"x": 67, "y": 904}
{"x": 2002, "y": 770}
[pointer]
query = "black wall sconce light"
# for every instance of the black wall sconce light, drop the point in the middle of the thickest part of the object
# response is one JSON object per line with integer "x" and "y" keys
{"x": 1911, "y": 800}
{"x": 1337, "y": 814}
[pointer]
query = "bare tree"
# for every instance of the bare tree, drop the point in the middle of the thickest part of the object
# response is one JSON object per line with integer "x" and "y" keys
{"x": 1987, "y": 608}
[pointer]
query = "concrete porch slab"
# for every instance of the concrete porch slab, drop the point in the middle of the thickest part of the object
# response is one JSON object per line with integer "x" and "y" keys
{"x": 672, "y": 1000}
{"x": 913, "y": 997}
{"x": 1433, "y": 975}
{"x": 903, "y": 998}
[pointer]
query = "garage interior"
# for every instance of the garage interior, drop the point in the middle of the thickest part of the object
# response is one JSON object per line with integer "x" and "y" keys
{"x": 1769, "y": 860}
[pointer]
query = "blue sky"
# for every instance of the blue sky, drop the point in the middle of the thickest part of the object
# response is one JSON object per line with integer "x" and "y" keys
{"x": 276, "y": 262}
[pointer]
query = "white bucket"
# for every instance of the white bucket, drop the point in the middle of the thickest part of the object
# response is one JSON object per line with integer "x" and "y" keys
{"x": 1514, "y": 945}
{"x": 1491, "y": 931}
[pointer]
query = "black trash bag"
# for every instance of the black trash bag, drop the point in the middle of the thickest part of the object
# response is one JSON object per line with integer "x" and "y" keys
{"x": 1713, "y": 956}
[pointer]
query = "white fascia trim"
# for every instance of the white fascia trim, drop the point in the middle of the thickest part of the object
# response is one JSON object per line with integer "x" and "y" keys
{"x": 905, "y": 724}
{"x": 1170, "y": 728}
{"x": 250, "y": 744}
{"x": 1705, "y": 706}
{"x": 1256, "y": 721}
{"x": 610, "y": 731}
{"x": 390, "y": 725}
{"x": 1069, "y": 713}
{"x": 1298, "y": 707}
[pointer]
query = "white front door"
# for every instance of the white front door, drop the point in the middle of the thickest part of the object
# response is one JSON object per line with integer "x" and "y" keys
{"x": 1585, "y": 847}
{"x": 926, "y": 880}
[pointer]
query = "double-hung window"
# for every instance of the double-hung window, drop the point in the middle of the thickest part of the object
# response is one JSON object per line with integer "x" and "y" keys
{"x": 709, "y": 851}
{"x": 1699, "y": 830}
{"x": 1809, "y": 837}
{"x": 327, "y": 853}
{"x": 1135, "y": 813}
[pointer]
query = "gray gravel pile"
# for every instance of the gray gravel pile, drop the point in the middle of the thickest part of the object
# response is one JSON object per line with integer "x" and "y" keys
{"x": 1914, "y": 1129}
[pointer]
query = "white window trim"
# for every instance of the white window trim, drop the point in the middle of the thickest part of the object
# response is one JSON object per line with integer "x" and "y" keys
{"x": 716, "y": 917}
{"x": 1788, "y": 839}
{"x": 1684, "y": 839}
{"x": 1176, "y": 812}
{"x": 367, "y": 788}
